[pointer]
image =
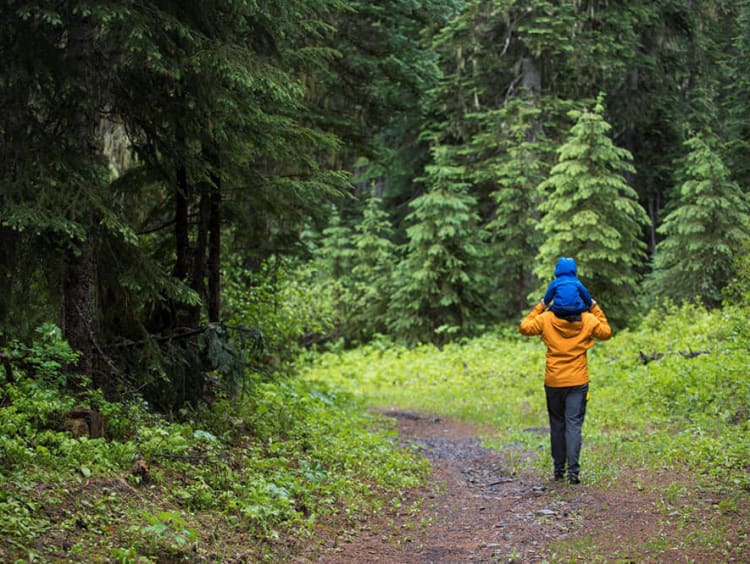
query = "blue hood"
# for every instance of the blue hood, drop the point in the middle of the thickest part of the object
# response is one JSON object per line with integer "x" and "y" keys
{"x": 565, "y": 267}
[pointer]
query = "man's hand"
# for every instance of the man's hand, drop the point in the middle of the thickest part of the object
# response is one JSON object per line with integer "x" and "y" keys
{"x": 543, "y": 303}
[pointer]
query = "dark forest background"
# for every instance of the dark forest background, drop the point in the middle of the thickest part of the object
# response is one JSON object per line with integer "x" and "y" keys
{"x": 188, "y": 189}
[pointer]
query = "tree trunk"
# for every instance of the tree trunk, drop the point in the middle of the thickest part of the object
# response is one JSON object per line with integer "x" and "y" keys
{"x": 79, "y": 278}
{"x": 8, "y": 262}
{"x": 653, "y": 212}
{"x": 79, "y": 307}
{"x": 181, "y": 226}
{"x": 182, "y": 204}
{"x": 198, "y": 279}
{"x": 531, "y": 77}
{"x": 214, "y": 252}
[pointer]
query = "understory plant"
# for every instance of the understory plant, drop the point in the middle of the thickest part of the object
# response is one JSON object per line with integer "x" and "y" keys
{"x": 672, "y": 393}
{"x": 220, "y": 478}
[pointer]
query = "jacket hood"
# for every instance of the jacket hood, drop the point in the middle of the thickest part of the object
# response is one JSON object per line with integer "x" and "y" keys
{"x": 567, "y": 329}
{"x": 565, "y": 267}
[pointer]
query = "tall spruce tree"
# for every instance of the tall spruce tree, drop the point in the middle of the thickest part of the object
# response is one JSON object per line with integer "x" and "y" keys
{"x": 439, "y": 286}
{"x": 737, "y": 101}
{"x": 707, "y": 227}
{"x": 56, "y": 89}
{"x": 336, "y": 255}
{"x": 374, "y": 260}
{"x": 591, "y": 214}
{"x": 514, "y": 155}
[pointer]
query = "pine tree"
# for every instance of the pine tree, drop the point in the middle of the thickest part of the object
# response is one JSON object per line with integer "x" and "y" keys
{"x": 373, "y": 259}
{"x": 336, "y": 255}
{"x": 439, "y": 285}
{"x": 707, "y": 227}
{"x": 592, "y": 214}
{"x": 512, "y": 155}
{"x": 333, "y": 262}
{"x": 738, "y": 98}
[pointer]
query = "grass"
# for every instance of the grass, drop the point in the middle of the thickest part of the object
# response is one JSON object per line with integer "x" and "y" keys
{"x": 668, "y": 419}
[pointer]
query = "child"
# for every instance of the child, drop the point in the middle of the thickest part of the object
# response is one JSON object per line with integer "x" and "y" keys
{"x": 568, "y": 296}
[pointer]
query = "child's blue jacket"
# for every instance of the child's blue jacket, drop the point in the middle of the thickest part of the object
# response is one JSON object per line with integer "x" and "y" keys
{"x": 568, "y": 294}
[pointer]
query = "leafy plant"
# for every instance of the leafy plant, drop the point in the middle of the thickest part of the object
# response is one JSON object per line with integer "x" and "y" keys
{"x": 164, "y": 528}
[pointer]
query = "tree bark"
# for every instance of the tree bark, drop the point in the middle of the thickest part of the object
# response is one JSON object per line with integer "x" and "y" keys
{"x": 214, "y": 251}
{"x": 8, "y": 261}
{"x": 198, "y": 279}
{"x": 182, "y": 204}
{"x": 79, "y": 278}
{"x": 79, "y": 309}
{"x": 531, "y": 77}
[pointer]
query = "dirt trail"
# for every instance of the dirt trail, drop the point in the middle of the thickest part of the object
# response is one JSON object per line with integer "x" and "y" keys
{"x": 474, "y": 509}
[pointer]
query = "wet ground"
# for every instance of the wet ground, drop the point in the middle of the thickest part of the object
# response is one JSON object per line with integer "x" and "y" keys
{"x": 475, "y": 509}
{"x": 479, "y": 507}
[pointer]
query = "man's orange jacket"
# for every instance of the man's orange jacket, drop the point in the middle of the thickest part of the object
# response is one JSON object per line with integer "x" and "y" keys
{"x": 567, "y": 343}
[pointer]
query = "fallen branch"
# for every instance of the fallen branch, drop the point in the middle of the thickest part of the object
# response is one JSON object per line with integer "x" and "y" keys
{"x": 646, "y": 358}
{"x": 692, "y": 353}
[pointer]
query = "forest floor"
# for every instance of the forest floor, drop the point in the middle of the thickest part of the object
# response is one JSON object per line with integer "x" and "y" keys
{"x": 476, "y": 507}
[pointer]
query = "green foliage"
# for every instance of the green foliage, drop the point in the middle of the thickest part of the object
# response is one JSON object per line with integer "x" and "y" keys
{"x": 273, "y": 462}
{"x": 738, "y": 99}
{"x": 512, "y": 158}
{"x": 334, "y": 263}
{"x": 271, "y": 311}
{"x": 692, "y": 411}
{"x": 371, "y": 275}
{"x": 438, "y": 286}
{"x": 593, "y": 215}
{"x": 491, "y": 379}
{"x": 672, "y": 394}
{"x": 705, "y": 229}
{"x": 354, "y": 272}
{"x": 167, "y": 527}
{"x": 737, "y": 291}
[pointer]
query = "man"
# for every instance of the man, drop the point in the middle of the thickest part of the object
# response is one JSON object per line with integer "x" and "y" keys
{"x": 566, "y": 377}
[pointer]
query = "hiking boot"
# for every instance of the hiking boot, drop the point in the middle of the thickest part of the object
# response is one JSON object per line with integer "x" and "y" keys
{"x": 573, "y": 479}
{"x": 559, "y": 475}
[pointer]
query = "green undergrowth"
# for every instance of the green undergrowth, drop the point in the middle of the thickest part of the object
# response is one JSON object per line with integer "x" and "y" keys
{"x": 667, "y": 425}
{"x": 671, "y": 394}
{"x": 240, "y": 479}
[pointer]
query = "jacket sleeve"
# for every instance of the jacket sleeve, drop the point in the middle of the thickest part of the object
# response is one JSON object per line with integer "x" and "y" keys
{"x": 550, "y": 292}
{"x": 532, "y": 323}
{"x": 585, "y": 295}
{"x": 602, "y": 331}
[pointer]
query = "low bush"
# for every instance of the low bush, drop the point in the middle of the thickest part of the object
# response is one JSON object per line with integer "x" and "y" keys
{"x": 219, "y": 479}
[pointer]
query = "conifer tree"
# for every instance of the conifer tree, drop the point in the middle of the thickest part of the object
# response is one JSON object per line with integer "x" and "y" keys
{"x": 706, "y": 228}
{"x": 593, "y": 215}
{"x": 515, "y": 154}
{"x": 439, "y": 285}
{"x": 373, "y": 259}
{"x": 738, "y": 99}
{"x": 333, "y": 263}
